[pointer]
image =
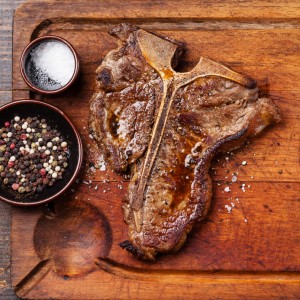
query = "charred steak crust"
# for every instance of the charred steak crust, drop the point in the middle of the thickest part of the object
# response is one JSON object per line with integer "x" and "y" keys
{"x": 167, "y": 127}
{"x": 128, "y": 93}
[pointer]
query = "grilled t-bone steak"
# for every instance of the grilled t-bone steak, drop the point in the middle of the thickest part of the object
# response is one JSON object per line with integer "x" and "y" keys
{"x": 167, "y": 126}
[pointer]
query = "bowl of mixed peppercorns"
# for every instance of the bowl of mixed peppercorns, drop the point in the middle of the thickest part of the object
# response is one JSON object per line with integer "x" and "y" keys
{"x": 40, "y": 152}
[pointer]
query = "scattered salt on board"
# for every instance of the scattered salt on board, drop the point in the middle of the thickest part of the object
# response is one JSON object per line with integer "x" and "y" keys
{"x": 227, "y": 189}
{"x": 229, "y": 208}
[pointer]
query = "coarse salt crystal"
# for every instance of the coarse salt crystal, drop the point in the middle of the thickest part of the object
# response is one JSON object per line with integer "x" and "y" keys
{"x": 244, "y": 163}
{"x": 229, "y": 208}
{"x": 234, "y": 178}
{"x": 227, "y": 189}
{"x": 243, "y": 187}
{"x": 102, "y": 167}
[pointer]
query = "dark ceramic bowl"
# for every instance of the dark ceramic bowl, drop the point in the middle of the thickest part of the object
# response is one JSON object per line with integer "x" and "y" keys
{"x": 57, "y": 120}
{"x": 25, "y": 58}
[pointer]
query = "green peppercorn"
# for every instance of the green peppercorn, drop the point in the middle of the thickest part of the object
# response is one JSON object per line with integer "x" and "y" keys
{"x": 21, "y": 190}
{"x": 54, "y": 163}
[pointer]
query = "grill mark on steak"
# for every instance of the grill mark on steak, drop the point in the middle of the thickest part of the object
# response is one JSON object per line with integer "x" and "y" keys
{"x": 181, "y": 120}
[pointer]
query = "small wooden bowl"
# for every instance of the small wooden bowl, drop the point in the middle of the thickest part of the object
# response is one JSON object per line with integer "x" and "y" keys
{"x": 25, "y": 57}
{"x": 57, "y": 120}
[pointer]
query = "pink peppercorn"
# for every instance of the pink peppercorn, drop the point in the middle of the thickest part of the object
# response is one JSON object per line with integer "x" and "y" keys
{"x": 43, "y": 172}
{"x": 7, "y": 124}
{"x": 12, "y": 146}
{"x": 23, "y": 136}
{"x": 15, "y": 186}
{"x": 10, "y": 164}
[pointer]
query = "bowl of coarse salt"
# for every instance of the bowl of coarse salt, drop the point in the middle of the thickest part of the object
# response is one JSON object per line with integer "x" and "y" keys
{"x": 49, "y": 65}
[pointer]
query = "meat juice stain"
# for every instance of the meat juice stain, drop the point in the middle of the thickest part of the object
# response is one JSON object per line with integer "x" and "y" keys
{"x": 180, "y": 177}
{"x": 167, "y": 73}
{"x": 114, "y": 125}
{"x": 182, "y": 188}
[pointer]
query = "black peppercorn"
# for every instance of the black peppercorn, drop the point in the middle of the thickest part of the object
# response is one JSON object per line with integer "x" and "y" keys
{"x": 39, "y": 189}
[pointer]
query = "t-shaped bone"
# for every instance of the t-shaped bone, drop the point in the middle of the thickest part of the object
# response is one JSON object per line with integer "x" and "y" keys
{"x": 159, "y": 53}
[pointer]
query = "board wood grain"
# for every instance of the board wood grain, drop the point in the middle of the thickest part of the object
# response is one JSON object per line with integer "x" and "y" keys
{"x": 251, "y": 250}
{"x": 6, "y": 17}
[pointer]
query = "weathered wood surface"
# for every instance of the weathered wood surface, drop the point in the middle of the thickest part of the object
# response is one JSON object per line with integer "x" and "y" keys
{"x": 6, "y": 19}
{"x": 256, "y": 245}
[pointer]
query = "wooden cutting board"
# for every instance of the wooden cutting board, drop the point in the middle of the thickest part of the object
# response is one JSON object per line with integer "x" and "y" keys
{"x": 248, "y": 246}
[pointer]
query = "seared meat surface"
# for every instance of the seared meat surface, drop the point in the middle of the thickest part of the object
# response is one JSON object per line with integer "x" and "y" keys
{"x": 167, "y": 126}
{"x": 128, "y": 93}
